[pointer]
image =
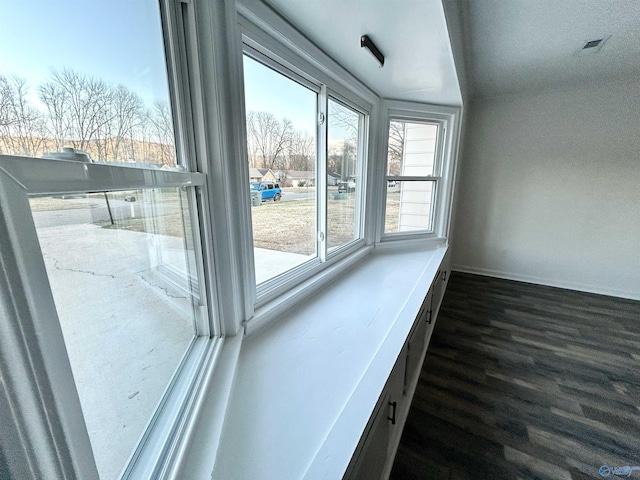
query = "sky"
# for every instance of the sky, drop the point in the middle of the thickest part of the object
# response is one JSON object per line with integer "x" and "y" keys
{"x": 120, "y": 42}
{"x": 268, "y": 91}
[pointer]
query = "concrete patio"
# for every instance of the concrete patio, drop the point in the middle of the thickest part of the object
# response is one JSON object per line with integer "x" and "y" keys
{"x": 127, "y": 320}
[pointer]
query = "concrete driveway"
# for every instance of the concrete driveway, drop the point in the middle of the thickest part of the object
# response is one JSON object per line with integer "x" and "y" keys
{"x": 126, "y": 315}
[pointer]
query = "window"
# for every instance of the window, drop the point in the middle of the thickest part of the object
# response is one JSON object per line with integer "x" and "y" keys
{"x": 419, "y": 171}
{"x": 113, "y": 208}
{"x": 311, "y": 141}
{"x": 121, "y": 266}
{"x": 281, "y": 145}
{"x": 412, "y": 176}
{"x": 344, "y": 174}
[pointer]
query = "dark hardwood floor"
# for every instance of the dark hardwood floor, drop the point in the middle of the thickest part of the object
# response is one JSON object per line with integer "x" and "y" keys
{"x": 525, "y": 381}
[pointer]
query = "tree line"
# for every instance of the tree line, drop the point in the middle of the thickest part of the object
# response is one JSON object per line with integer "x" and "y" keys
{"x": 113, "y": 124}
{"x": 110, "y": 122}
{"x": 275, "y": 143}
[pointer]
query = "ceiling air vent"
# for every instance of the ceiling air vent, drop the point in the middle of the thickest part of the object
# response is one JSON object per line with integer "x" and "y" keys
{"x": 592, "y": 44}
{"x": 590, "y": 47}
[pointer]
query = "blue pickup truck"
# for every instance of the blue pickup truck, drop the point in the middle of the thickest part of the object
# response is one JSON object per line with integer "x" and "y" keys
{"x": 269, "y": 190}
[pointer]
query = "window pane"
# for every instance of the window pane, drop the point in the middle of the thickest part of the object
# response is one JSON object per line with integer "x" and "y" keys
{"x": 123, "y": 282}
{"x": 409, "y": 206}
{"x": 412, "y": 149}
{"x": 343, "y": 175}
{"x": 87, "y": 75}
{"x": 281, "y": 140}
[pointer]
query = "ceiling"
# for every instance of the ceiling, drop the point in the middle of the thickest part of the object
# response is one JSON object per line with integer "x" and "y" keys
{"x": 510, "y": 46}
{"x": 525, "y": 45}
{"x": 412, "y": 35}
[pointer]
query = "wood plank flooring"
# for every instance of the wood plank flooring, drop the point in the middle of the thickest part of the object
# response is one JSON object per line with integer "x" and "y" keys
{"x": 523, "y": 381}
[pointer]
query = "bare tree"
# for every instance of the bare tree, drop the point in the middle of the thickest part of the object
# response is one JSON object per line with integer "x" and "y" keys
{"x": 342, "y": 159}
{"x": 161, "y": 124}
{"x": 54, "y": 99}
{"x": 114, "y": 138}
{"x": 346, "y": 120}
{"x": 395, "y": 150}
{"x": 6, "y": 94}
{"x": 23, "y": 128}
{"x": 6, "y": 117}
{"x": 344, "y": 127}
{"x": 78, "y": 106}
{"x": 141, "y": 137}
{"x": 126, "y": 106}
{"x": 301, "y": 151}
{"x": 268, "y": 139}
{"x": 109, "y": 122}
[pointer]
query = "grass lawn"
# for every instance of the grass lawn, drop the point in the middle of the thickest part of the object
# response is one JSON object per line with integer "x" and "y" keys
{"x": 48, "y": 204}
{"x": 285, "y": 226}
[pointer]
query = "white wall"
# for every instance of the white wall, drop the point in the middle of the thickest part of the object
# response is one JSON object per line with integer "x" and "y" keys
{"x": 549, "y": 189}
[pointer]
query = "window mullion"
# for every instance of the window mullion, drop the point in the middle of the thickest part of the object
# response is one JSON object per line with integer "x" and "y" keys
{"x": 435, "y": 201}
{"x": 361, "y": 174}
{"x": 321, "y": 173}
{"x": 205, "y": 323}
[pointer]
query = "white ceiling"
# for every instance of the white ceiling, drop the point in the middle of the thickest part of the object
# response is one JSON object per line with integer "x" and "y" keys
{"x": 412, "y": 35}
{"x": 524, "y": 45}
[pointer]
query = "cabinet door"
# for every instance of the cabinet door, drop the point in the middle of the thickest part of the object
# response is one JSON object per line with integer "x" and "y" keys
{"x": 415, "y": 348}
{"x": 438, "y": 290}
{"x": 396, "y": 388}
{"x": 373, "y": 455}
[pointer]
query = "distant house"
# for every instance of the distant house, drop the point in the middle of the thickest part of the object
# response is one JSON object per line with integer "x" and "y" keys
{"x": 333, "y": 179}
{"x": 301, "y": 178}
{"x": 297, "y": 178}
{"x": 262, "y": 175}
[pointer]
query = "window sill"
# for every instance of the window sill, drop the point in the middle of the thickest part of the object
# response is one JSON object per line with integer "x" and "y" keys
{"x": 281, "y": 304}
{"x": 305, "y": 386}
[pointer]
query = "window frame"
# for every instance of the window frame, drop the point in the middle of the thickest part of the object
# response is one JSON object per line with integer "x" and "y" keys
{"x": 37, "y": 176}
{"x": 447, "y": 119}
{"x": 363, "y": 129}
{"x": 48, "y": 435}
{"x": 260, "y": 43}
{"x": 263, "y": 289}
{"x": 435, "y": 178}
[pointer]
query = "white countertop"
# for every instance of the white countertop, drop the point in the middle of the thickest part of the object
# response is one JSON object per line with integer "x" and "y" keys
{"x": 306, "y": 385}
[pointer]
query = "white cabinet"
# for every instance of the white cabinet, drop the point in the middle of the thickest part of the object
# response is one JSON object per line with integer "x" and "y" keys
{"x": 377, "y": 448}
{"x": 415, "y": 348}
{"x": 373, "y": 451}
{"x": 373, "y": 455}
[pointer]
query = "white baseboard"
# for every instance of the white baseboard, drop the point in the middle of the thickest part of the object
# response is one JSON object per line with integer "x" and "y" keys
{"x": 548, "y": 282}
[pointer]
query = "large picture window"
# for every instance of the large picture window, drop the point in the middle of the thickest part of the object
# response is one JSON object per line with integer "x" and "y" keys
{"x": 87, "y": 133}
{"x": 126, "y": 291}
{"x": 281, "y": 145}
{"x": 306, "y": 151}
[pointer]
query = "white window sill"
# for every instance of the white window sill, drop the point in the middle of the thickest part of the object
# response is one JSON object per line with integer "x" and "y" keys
{"x": 305, "y": 386}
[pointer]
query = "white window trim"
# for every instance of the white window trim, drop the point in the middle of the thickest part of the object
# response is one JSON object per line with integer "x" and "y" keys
{"x": 273, "y": 42}
{"x": 43, "y": 432}
{"x": 448, "y": 120}
{"x": 212, "y": 59}
{"x": 48, "y": 437}
{"x": 36, "y": 332}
